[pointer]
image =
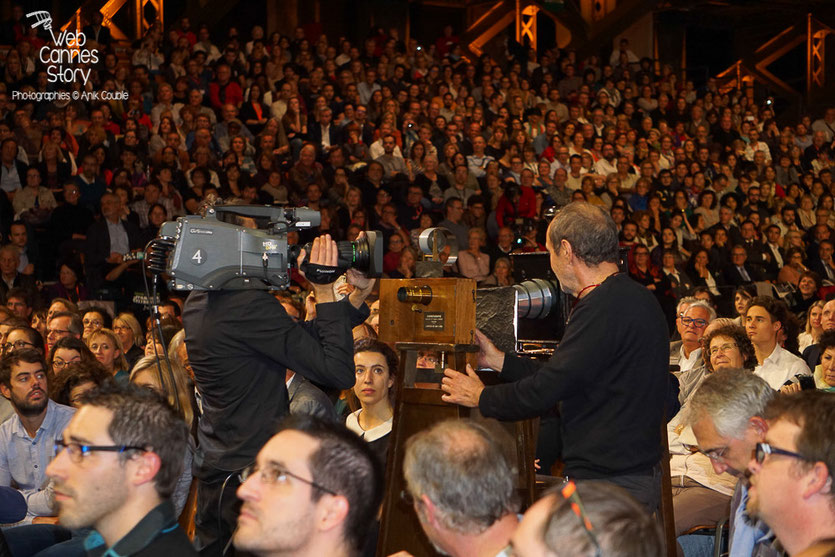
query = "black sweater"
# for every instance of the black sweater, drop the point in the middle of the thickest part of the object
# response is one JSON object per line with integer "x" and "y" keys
{"x": 609, "y": 374}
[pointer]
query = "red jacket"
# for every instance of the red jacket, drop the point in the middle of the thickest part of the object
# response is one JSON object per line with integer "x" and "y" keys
{"x": 525, "y": 207}
{"x": 232, "y": 91}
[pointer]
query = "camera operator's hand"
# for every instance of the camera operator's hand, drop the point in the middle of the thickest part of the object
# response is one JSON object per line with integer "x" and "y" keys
{"x": 363, "y": 285}
{"x": 488, "y": 355}
{"x": 461, "y": 388}
{"x": 323, "y": 252}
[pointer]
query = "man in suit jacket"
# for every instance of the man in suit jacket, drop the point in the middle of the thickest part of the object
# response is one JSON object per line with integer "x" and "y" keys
{"x": 325, "y": 134}
{"x": 11, "y": 278}
{"x": 726, "y": 222}
{"x": 823, "y": 264}
{"x": 307, "y": 398}
{"x": 12, "y": 170}
{"x": 108, "y": 241}
{"x": 754, "y": 249}
{"x": 738, "y": 272}
{"x": 776, "y": 255}
{"x": 96, "y": 32}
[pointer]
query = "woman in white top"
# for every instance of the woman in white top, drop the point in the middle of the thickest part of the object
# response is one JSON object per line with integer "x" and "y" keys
{"x": 376, "y": 365}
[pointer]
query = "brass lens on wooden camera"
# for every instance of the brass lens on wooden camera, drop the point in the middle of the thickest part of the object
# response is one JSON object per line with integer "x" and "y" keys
{"x": 415, "y": 294}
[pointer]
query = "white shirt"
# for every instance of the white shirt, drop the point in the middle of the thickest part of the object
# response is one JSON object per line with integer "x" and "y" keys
{"x": 326, "y": 136}
{"x": 604, "y": 167}
{"x": 685, "y": 363}
{"x": 376, "y": 149}
{"x": 781, "y": 366}
{"x": 369, "y": 435}
{"x": 695, "y": 466}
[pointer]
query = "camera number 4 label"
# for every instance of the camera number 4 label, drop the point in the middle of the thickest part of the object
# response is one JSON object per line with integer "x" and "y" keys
{"x": 198, "y": 257}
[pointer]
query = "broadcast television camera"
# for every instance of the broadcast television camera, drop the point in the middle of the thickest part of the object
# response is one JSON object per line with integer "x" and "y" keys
{"x": 209, "y": 253}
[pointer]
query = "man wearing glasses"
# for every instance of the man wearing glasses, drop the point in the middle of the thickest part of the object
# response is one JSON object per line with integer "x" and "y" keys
{"x": 693, "y": 324}
{"x": 700, "y": 493}
{"x": 727, "y": 419}
{"x": 791, "y": 484}
{"x": 63, "y": 324}
{"x": 22, "y": 337}
{"x": 115, "y": 469}
{"x": 314, "y": 489}
{"x": 26, "y": 438}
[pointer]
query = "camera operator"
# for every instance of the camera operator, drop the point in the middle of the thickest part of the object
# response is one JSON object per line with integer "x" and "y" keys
{"x": 609, "y": 373}
{"x": 240, "y": 343}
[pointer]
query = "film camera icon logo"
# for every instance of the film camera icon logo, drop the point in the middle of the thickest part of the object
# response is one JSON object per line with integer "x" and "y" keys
{"x": 45, "y": 19}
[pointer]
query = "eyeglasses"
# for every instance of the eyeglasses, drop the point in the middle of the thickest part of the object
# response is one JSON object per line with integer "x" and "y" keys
{"x": 119, "y": 328}
{"x": 77, "y": 451}
{"x": 764, "y": 449}
{"x": 716, "y": 455}
{"x": 53, "y": 332}
{"x": 698, "y": 323}
{"x": 275, "y": 475}
{"x": 16, "y": 345}
{"x": 569, "y": 493}
{"x": 61, "y": 364}
{"x": 407, "y": 498}
{"x": 92, "y": 323}
{"x": 723, "y": 348}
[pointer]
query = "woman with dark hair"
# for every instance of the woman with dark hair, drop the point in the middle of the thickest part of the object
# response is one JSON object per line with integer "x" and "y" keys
{"x": 793, "y": 268}
{"x": 253, "y": 111}
{"x": 70, "y": 282}
{"x": 69, "y": 387}
{"x": 706, "y": 206}
{"x": 698, "y": 268}
{"x": 742, "y": 298}
{"x": 728, "y": 347}
{"x": 807, "y": 292}
{"x": 93, "y": 319}
{"x": 156, "y": 216}
{"x": 669, "y": 241}
{"x": 371, "y": 399}
{"x": 643, "y": 271}
{"x": 21, "y": 337}
{"x": 67, "y": 351}
{"x": 825, "y": 371}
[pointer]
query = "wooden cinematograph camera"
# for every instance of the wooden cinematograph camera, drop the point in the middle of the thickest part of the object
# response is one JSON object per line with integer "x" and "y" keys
{"x": 431, "y": 322}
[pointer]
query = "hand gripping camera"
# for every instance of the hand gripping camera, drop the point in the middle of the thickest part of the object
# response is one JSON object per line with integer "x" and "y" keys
{"x": 209, "y": 253}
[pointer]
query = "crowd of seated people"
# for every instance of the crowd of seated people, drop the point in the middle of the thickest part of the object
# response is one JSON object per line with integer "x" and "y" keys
{"x": 723, "y": 211}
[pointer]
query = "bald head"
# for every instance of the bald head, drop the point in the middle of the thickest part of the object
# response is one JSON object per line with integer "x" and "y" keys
{"x": 828, "y": 316}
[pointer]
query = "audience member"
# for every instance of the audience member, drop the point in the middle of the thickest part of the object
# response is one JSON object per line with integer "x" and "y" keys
{"x": 115, "y": 469}
{"x": 791, "y": 472}
{"x": 727, "y": 419}
{"x": 591, "y": 518}
{"x": 25, "y": 439}
{"x": 330, "y": 492}
{"x": 446, "y": 468}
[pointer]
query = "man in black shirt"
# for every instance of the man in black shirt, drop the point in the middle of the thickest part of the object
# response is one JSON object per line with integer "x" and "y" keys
{"x": 609, "y": 373}
{"x": 240, "y": 344}
{"x": 115, "y": 469}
